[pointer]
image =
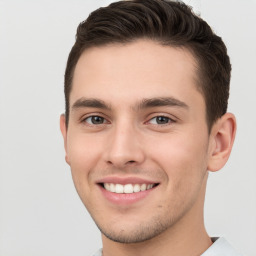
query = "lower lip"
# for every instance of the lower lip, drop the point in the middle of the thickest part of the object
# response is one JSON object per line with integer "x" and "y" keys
{"x": 124, "y": 199}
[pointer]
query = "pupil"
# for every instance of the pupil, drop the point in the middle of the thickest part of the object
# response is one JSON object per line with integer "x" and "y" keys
{"x": 97, "y": 120}
{"x": 162, "y": 120}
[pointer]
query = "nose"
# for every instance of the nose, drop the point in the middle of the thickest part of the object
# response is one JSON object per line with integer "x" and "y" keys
{"x": 124, "y": 147}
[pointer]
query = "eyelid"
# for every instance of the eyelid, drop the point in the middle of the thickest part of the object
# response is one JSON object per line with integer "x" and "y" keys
{"x": 155, "y": 115}
{"x": 91, "y": 122}
{"x": 93, "y": 114}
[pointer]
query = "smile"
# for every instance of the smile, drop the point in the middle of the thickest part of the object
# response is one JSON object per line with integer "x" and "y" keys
{"x": 127, "y": 188}
{"x": 125, "y": 191}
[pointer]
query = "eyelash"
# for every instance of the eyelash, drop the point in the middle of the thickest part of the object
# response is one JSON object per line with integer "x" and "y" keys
{"x": 170, "y": 120}
{"x": 84, "y": 120}
{"x": 105, "y": 121}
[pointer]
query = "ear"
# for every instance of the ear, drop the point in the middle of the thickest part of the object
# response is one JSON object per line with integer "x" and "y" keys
{"x": 221, "y": 141}
{"x": 63, "y": 129}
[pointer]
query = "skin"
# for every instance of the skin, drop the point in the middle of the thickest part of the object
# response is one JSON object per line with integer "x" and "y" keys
{"x": 129, "y": 141}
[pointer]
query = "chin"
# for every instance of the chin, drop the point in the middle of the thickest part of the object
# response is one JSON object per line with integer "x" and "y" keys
{"x": 135, "y": 234}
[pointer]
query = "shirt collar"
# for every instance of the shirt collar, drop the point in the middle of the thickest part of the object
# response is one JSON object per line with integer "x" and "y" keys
{"x": 220, "y": 247}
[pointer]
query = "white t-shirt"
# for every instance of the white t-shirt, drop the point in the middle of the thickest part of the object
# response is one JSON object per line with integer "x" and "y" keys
{"x": 220, "y": 247}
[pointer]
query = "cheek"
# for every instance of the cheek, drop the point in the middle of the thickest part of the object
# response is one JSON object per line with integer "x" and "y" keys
{"x": 183, "y": 158}
{"x": 82, "y": 149}
{"x": 184, "y": 162}
{"x": 83, "y": 154}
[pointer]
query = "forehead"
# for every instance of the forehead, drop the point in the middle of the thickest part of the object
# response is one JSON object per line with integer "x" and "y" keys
{"x": 129, "y": 71}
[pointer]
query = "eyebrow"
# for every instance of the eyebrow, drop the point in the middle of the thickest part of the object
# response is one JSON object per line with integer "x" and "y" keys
{"x": 160, "y": 102}
{"x": 145, "y": 103}
{"x": 90, "y": 103}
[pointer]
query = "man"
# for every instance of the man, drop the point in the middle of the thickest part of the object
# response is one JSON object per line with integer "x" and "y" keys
{"x": 146, "y": 89}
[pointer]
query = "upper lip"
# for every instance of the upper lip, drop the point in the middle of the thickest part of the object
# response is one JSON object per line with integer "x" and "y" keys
{"x": 126, "y": 180}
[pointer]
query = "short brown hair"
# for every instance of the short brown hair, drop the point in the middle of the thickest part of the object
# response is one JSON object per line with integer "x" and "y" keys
{"x": 169, "y": 23}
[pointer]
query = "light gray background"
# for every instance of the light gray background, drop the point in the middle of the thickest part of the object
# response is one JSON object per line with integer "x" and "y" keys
{"x": 40, "y": 212}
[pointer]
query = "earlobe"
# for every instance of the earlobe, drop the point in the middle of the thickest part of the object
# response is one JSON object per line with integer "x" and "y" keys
{"x": 63, "y": 129}
{"x": 222, "y": 139}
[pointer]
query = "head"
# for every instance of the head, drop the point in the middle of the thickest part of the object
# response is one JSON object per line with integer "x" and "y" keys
{"x": 146, "y": 89}
{"x": 168, "y": 23}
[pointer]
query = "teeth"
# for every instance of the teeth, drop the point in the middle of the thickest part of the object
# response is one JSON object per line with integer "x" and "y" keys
{"x": 119, "y": 188}
{"x": 128, "y": 188}
{"x": 143, "y": 187}
{"x": 107, "y": 186}
{"x": 136, "y": 188}
{"x": 112, "y": 187}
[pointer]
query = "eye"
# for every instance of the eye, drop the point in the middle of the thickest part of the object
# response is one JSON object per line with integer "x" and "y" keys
{"x": 95, "y": 120}
{"x": 160, "y": 120}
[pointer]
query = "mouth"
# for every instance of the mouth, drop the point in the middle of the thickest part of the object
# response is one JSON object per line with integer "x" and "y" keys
{"x": 126, "y": 191}
{"x": 127, "y": 188}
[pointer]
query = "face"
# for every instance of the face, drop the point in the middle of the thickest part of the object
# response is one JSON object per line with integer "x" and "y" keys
{"x": 137, "y": 141}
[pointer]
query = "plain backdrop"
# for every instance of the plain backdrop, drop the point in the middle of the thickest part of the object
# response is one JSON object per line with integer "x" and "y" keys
{"x": 40, "y": 212}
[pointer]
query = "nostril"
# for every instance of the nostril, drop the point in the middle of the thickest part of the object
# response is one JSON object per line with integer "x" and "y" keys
{"x": 126, "y": 163}
{"x": 131, "y": 162}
